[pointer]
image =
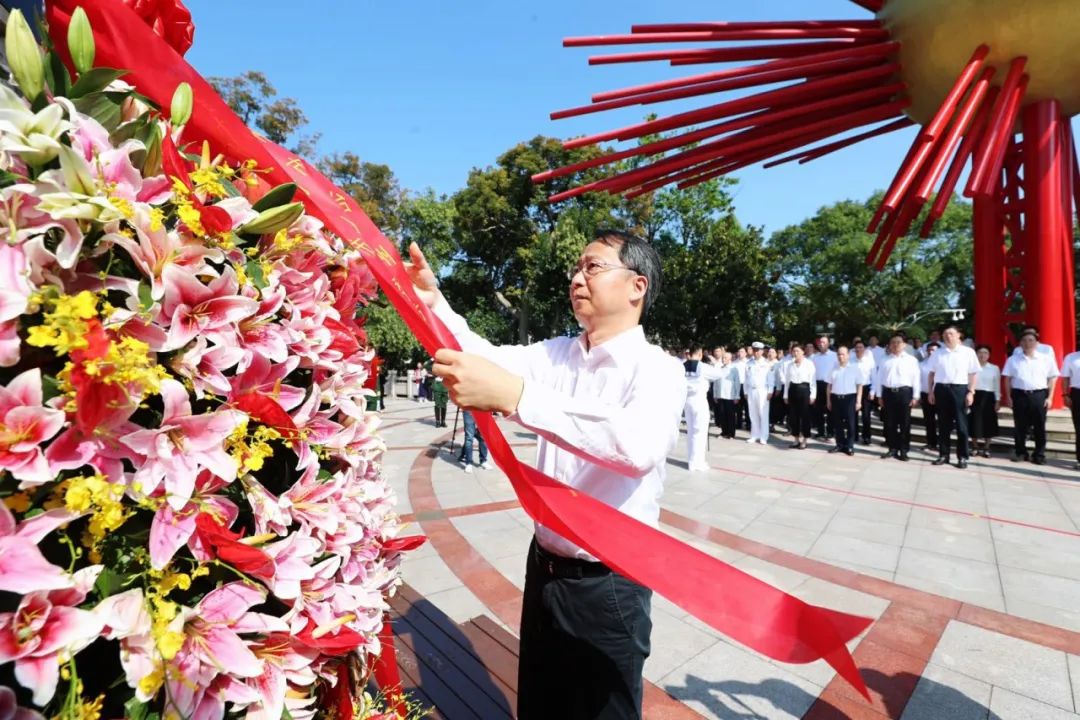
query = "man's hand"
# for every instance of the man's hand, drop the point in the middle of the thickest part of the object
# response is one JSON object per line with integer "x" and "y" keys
{"x": 1068, "y": 401}
{"x": 478, "y": 384}
{"x": 914, "y": 403}
{"x": 969, "y": 398}
{"x": 423, "y": 279}
{"x": 930, "y": 397}
{"x": 1048, "y": 403}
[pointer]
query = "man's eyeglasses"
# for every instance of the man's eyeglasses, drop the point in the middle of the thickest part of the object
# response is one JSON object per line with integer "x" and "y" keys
{"x": 592, "y": 268}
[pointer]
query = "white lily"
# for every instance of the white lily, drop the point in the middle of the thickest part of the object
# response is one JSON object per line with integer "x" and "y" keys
{"x": 32, "y": 136}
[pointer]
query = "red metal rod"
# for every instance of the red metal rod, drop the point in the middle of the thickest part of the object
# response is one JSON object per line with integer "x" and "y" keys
{"x": 709, "y": 57}
{"x": 996, "y": 154}
{"x": 882, "y": 211}
{"x": 730, "y": 146}
{"x": 1076, "y": 178}
{"x": 801, "y": 70}
{"x": 951, "y": 139}
{"x": 997, "y": 136}
{"x": 768, "y": 141}
{"x": 873, "y": 6}
{"x": 798, "y": 92}
{"x": 814, "y": 153}
{"x": 952, "y": 100}
{"x": 863, "y": 51}
{"x": 967, "y": 147}
{"x": 731, "y": 54}
{"x": 764, "y": 24}
{"x": 853, "y": 99}
{"x": 723, "y": 35}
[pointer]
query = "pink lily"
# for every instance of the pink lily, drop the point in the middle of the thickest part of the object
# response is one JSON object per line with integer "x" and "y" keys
{"x": 213, "y": 646}
{"x": 112, "y": 166}
{"x": 23, "y": 569}
{"x": 24, "y": 425}
{"x": 194, "y": 308}
{"x": 42, "y": 627}
{"x": 264, "y": 377}
{"x": 204, "y": 366}
{"x": 10, "y": 343}
{"x": 262, "y": 333}
{"x": 287, "y": 663}
{"x": 172, "y": 529}
{"x": 124, "y": 617}
{"x": 15, "y": 286}
{"x": 293, "y": 558}
{"x": 182, "y": 446}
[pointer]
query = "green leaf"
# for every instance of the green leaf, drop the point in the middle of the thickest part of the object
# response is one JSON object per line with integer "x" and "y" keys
{"x": 100, "y": 107}
{"x": 109, "y": 583}
{"x": 281, "y": 195}
{"x": 152, "y": 162}
{"x": 50, "y": 387}
{"x": 146, "y": 301}
{"x": 135, "y": 710}
{"x": 255, "y": 272}
{"x": 94, "y": 81}
{"x": 56, "y": 75}
{"x": 7, "y": 178}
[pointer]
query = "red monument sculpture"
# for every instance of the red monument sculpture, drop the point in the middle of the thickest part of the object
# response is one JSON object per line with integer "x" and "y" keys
{"x": 992, "y": 83}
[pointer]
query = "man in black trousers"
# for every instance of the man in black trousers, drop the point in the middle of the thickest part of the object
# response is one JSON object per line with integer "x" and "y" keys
{"x": 954, "y": 371}
{"x": 845, "y": 401}
{"x": 897, "y": 386}
{"x": 929, "y": 412}
{"x": 1030, "y": 378}
{"x": 824, "y": 361}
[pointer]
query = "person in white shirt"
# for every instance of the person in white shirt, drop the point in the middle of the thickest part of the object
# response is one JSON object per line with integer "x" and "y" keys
{"x": 605, "y": 406}
{"x": 935, "y": 337}
{"x": 867, "y": 364}
{"x": 742, "y": 359}
{"x": 800, "y": 391}
{"x": 1070, "y": 388}
{"x": 776, "y": 400}
{"x": 1042, "y": 348}
{"x": 1029, "y": 385}
{"x": 699, "y": 378}
{"x": 728, "y": 389}
{"x": 845, "y": 401}
{"x": 897, "y": 384}
{"x": 929, "y": 412}
{"x": 876, "y": 349}
{"x": 759, "y": 381}
{"x": 824, "y": 361}
{"x": 953, "y": 372}
{"x": 716, "y": 360}
{"x": 983, "y": 419}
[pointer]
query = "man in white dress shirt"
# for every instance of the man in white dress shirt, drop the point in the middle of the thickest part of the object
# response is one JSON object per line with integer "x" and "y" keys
{"x": 929, "y": 411}
{"x": 1030, "y": 378}
{"x": 759, "y": 386}
{"x": 897, "y": 385}
{"x": 845, "y": 401}
{"x": 954, "y": 371}
{"x": 1070, "y": 388}
{"x": 867, "y": 364}
{"x": 606, "y": 407}
{"x": 728, "y": 390}
{"x": 824, "y": 361}
{"x": 1041, "y": 347}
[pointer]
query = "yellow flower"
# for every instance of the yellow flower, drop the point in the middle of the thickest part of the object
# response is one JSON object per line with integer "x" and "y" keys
{"x": 251, "y": 451}
{"x": 152, "y": 682}
{"x": 103, "y": 500}
{"x": 64, "y": 328}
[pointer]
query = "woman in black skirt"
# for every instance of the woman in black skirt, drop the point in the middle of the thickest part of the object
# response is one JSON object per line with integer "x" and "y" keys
{"x": 982, "y": 418}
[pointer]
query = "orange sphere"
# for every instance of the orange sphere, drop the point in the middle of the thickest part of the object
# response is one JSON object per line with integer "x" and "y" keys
{"x": 937, "y": 38}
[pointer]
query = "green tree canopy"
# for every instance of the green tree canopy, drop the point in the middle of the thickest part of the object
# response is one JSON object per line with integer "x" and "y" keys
{"x": 280, "y": 119}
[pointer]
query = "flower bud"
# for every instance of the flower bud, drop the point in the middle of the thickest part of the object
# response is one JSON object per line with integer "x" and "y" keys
{"x": 272, "y": 220}
{"x": 24, "y": 56}
{"x": 180, "y": 111}
{"x": 81, "y": 41}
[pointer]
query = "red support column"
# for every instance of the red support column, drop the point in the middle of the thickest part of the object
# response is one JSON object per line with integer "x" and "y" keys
{"x": 1049, "y": 295}
{"x": 988, "y": 260}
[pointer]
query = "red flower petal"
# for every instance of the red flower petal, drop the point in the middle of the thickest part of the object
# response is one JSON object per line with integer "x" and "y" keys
{"x": 266, "y": 410}
{"x": 223, "y": 544}
{"x": 404, "y": 544}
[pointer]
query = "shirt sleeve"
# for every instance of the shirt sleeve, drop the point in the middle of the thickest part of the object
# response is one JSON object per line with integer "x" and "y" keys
{"x": 630, "y": 439}
{"x": 916, "y": 379}
{"x": 973, "y": 363}
{"x": 1009, "y": 370}
{"x": 1052, "y": 363}
{"x": 997, "y": 385}
{"x": 515, "y": 358}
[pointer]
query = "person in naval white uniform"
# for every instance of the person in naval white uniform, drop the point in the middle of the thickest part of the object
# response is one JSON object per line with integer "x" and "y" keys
{"x": 759, "y": 385}
{"x": 699, "y": 378}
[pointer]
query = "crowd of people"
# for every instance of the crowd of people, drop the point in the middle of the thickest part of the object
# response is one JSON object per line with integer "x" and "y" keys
{"x": 817, "y": 391}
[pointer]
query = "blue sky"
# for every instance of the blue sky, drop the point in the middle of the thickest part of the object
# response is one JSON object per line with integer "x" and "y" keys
{"x": 434, "y": 88}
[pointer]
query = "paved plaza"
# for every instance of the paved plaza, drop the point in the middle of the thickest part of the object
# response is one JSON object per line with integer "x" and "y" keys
{"x": 972, "y": 576}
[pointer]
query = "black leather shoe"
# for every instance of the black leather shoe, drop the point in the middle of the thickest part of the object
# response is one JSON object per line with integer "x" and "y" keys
{"x": 794, "y": 445}
{"x": 850, "y": 452}
{"x": 902, "y": 457}
{"x": 962, "y": 464}
{"x": 834, "y": 450}
{"x": 1039, "y": 460}
{"x": 1018, "y": 457}
{"x": 888, "y": 454}
{"x": 941, "y": 461}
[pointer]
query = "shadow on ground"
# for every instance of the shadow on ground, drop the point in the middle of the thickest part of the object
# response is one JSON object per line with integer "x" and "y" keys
{"x": 774, "y": 698}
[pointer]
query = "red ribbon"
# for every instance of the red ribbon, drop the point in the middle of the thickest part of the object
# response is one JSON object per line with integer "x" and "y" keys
{"x": 737, "y": 604}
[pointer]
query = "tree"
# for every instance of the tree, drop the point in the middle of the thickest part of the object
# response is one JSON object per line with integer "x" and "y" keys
{"x": 821, "y": 265}
{"x": 255, "y": 100}
{"x": 391, "y": 337}
{"x": 372, "y": 185}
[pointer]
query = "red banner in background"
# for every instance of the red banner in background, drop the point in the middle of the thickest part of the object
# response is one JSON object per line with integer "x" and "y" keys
{"x": 739, "y": 605}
